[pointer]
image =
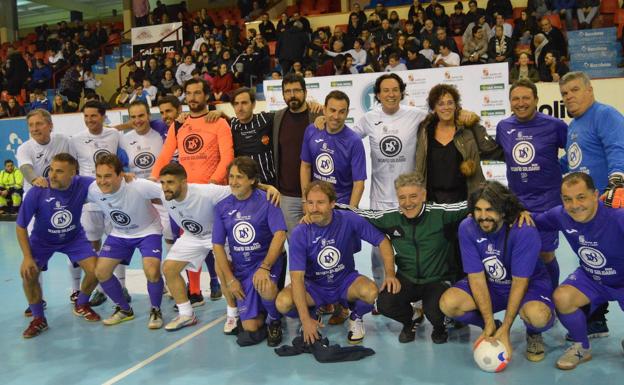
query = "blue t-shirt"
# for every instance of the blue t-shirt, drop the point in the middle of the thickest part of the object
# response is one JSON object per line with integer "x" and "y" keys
{"x": 160, "y": 127}
{"x": 249, "y": 226}
{"x": 595, "y": 143}
{"x": 532, "y": 158}
{"x": 335, "y": 158}
{"x": 598, "y": 243}
{"x": 57, "y": 212}
{"x": 326, "y": 253}
{"x": 487, "y": 252}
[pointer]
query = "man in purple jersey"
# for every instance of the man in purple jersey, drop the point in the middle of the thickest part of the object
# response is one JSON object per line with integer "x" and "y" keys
{"x": 336, "y": 154}
{"x": 255, "y": 231}
{"x": 531, "y": 141}
{"x": 595, "y": 234}
{"x": 504, "y": 272}
{"x": 322, "y": 268}
{"x": 57, "y": 228}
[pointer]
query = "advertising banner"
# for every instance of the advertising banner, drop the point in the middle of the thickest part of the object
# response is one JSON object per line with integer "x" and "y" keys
{"x": 143, "y": 37}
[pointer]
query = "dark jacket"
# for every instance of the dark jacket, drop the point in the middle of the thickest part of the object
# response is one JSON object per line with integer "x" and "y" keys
{"x": 292, "y": 44}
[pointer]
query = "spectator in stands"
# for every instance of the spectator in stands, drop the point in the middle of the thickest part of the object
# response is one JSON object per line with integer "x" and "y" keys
{"x": 419, "y": 21}
{"x": 100, "y": 33}
{"x": 524, "y": 28}
{"x": 399, "y": 47}
{"x": 62, "y": 106}
{"x": 256, "y": 11}
{"x": 4, "y": 112}
{"x": 178, "y": 92}
{"x": 204, "y": 38}
{"x": 428, "y": 32}
{"x": 412, "y": 36}
{"x": 135, "y": 73}
{"x": 247, "y": 67}
{"x": 413, "y": 9}
{"x": 291, "y": 46}
{"x": 159, "y": 11}
{"x": 500, "y": 47}
{"x": 152, "y": 90}
{"x": 16, "y": 73}
{"x": 354, "y": 29}
{"x": 282, "y": 24}
{"x": 183, "y": 72}
{"x": 474, "y": 13}
{"x": 267, "y": 28}
{"x": 304, "y": 22}
{"x": 487, "y": 31}
{"x": 539, "y": 8}
{"x": 441, "y": 36}
{"x": 88, "y": 40}
{"x": 358, "y": 54}
{"x": 226, "y": 58}
{"x": 446, "y": 58}
{"x": 333, "y": 66}
{"x": 41, "y": 76}
{"x": 475, "y": 48}
{"x": 523, "y": 70}
{"x": 223, "y": 84}
{"x": 542, "y": 45}
{"x": 56, "y": 58}
{"x": 373, "y": 24}
{"x": 381, "y": 11}
{"x": 554, "y": 36}
{"x": 394, "y": 63}
{"x": 565, "y": 9}
{"x": 457, "y": 20}
{"x": 140, "y": 10}
{"x": 385, "y": 35}
{"x": 355, "y": 8}
{"x": 349, "y": 67}
{"x": 90, "y": 82}
{"x": 41, "y": 101}
{"x": 553, "y": 69}
{"x": 11, "y": 188}
{"x": 507, "y": 28}
{"x": 440, "y": 19}
{"x": 426, "y": 51}
{"x": 232, "y": 41}
{"x": 153, "y": 72}
{"x": 498, "y": 7}
{"x": 586, "y": 12}
{"x": 167, "y": 81}
{"x": 415, "y": 60}
{"x": 72, "y": 83}
{"x": 141, "y": 94}
{"x": 395, "y": 22}
{"x": 14, "y": 109}
{"x": 430, "y": 10}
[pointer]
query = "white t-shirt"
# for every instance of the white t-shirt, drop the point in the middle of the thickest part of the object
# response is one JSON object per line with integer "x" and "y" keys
{"x": 87, "y": 147}
{"x": 393, "y": 147}
{"x": 142, "y": 151}
{"x": 130, "y": 208}
{"x": 195, "y": 214}
{"x": 39, "y": 156}
{"x": 452, "y": 59}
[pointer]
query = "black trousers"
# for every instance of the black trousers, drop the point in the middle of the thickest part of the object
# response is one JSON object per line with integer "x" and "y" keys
{"x": 398, "y": 306}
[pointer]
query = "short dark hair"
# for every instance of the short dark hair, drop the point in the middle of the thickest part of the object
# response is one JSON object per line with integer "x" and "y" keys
{"x": 110, "y": 160}
{"x": 244, "y": 90}
{"x": 139, "y": 103}
{"x": 576, "y": 177}
{"x": 293, "y": 78}
{"x": 526, "y": 83}
{"x": 8, "y": 161}
{"x": 500, "y": 198}
{"x": 205, "y": 85}
{"x": 377, "y": 88}
{"x": 64, "y": 157}
{"x": 248, "y": 167}
{"x": 438, "y": 91}
{"x": 175, "y": 102}
{"x": 337, "y": 95}
{"x": 175, "y": 169}
{"x": 97, "y": 105}
{"x": 325, "y": 187}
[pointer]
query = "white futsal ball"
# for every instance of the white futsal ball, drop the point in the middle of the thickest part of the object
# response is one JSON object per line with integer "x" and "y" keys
{"x": 491, "y": 357}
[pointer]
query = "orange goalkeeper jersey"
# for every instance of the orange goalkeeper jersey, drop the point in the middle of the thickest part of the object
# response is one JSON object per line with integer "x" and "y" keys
{"x": 205, "y": 150}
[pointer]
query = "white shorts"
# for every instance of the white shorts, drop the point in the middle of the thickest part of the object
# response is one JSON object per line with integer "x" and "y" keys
{"x": 190, "y": 250}
{"x": 164, "y": 222}
{"x": 95, "y": 224}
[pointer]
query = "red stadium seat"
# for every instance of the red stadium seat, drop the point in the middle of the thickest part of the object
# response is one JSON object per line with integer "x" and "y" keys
{"x": 517, "y": 12}
{"x": 291, "y": 9}
{"x": 460, "y": 44}
{"x": 609, "y": 6}
{"x": 272, "y": 45}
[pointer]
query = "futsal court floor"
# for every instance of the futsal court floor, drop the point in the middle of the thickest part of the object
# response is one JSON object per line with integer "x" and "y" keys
{"x": 74, "y": 351}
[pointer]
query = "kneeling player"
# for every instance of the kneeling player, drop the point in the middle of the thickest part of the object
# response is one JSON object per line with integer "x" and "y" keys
{"x": 322, "y": 268}
{"x": 504, "y": 272}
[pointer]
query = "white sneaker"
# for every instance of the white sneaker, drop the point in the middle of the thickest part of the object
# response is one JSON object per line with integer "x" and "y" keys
{"x": 573, "y": 356}
{"x": 356, "y": 331}
{"x": 231, "y": 326}
{"x": 180, "y": 322}
{"x": 155, "y": 319}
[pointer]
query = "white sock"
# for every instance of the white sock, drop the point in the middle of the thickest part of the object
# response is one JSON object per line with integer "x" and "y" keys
{"x": 120, "y": 273}
{"x": 75, "y": 273}
{"x": 185, "y": 309}
{"x": 232, "y": 311}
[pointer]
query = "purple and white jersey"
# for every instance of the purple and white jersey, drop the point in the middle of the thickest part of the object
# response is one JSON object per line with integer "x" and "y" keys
{"x": 326, "y": 253}
{"x": 87, "y": 147}
{"x": 531, "y": 154}
{"x": 335, "y": 158}
{"x": 39, "y": 156}
{"x": 195, "y": 214}
{"x": 130, "y": 209}
{"x": 57, "y": 212}
{"x": 142, "y": 151}
{"x": 487, "y": 252}
{"x": 597, "y": 243}
{"x": 249, "y": 226}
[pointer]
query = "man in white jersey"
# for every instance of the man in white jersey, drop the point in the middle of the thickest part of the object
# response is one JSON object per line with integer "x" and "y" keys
{"x": 192, "y": 207}
{"x": 86, "y": 147}
{"x": 135, "y": 225}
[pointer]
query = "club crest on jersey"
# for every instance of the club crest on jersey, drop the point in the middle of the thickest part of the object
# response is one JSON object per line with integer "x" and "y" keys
{"x": 329, "y": 257}
{"x": 192, "y": 226}
{"x": 575, "y": 156}
{"x": 120, "y": 218}
{"x": 523, "y": 153}
{"x": 144, "y": 160}
{"x": 99, "y": 153}
{"x": 61, "y": 219}
{"x": 244, "y": 233}
{"x": 592, "y": 257}
{"x": 390, "y": 146}
{"x": 494, "y": 268}
{"x": 324, "y": 164}
{"x": 193, "y": 143}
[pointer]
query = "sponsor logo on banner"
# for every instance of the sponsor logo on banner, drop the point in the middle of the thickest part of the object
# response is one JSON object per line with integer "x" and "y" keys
{"x": 489, "y": 102}
{"x": 275, "y": 88}
{"x": 313, "y": 85}
{"x": 556, "y": 109}
{"x": 493, "y": 112}
{"x": 342, "y": 83}
{"x": 411, "y": 79}
{"x": 368, "y": 97}
{"x": 492, "y": 87}
{"x": 449, "y": 77}
{"x": 487, "y": 73}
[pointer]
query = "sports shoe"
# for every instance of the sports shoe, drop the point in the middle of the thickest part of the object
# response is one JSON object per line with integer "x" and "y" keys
{"x": 375, "y": 311}
{"x": 119, "y": 316}
{"x": 231, "y": 326}
{"x": 595, "y": 329}
{"x": 408, "y": 333}
{"x": 86, "y": 312}
{"x": 196, "y": 299}
{"x": 180, "y": 321}
{"x": 28, "y": 312}
{"x": 339, "y": 315}
{"x": 127, "y": 295}
{"x": 97, "y": 298}
{"x": 215, "y": 292}
{"x": 37, "y": 326}
{"x": 535, "y": 347}
{"x": 356, "y": 331}
{"x": 326, "y": 309}
{"x": 573, "y": 356}
{"x": 155, "y": 319}
{"x": 73, "y": 297}
{"x": 439, "y": 335}
{"x": 274, "y": 333}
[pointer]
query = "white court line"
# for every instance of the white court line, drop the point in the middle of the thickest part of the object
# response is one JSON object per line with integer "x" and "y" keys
{"x": 161, "y": 353}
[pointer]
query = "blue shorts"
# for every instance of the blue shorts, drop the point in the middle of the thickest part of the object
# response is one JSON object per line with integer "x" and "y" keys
{"x": 326, "y": 295}
{"x": 597, "y": 293}
{"x": 77, "y": 249}
{"x": 251, "y": 306}
{"x": 538, "y": 290}
{"x": 123, "y": 248}
{"x": 550, "y": 240}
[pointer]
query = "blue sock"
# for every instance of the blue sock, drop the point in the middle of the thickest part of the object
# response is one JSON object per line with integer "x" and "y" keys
{"x": 155, "y": 291}
{"x": 210, "y": 263}
{"x": 113, "y": 290}
{"x": 292, "y": 313}
{"x": 272, "y": 313}
{"x": 472, "y": 318}
{"x": 553, "y": 271}
{"x": 37, "y": 309}
{"x": 83, "y": 299}
{"x": 359, "y": 308}
{"x": 576, "y": 323}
